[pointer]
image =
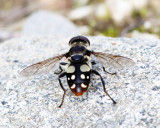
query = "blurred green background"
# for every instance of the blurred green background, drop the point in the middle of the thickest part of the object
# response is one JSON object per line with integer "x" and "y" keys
{"x": 114, "y": 18}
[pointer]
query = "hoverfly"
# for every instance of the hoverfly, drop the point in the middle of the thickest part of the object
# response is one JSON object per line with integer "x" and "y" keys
{"x": 78, "y": 66}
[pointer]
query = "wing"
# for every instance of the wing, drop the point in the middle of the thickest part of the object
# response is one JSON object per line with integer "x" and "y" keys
{"x": 113, "y": 61}
{"x": 42, "y": 67}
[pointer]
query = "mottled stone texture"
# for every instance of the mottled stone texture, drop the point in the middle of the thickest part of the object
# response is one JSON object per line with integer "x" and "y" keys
{"x": 33, "y": 102}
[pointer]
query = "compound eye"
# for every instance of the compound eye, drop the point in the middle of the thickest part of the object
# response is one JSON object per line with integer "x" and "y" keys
{"x": 79, "y": 39}
{"x": 77, "y": 57}
{"x": 85, "y": 40}
{"x": 74, "y": 39}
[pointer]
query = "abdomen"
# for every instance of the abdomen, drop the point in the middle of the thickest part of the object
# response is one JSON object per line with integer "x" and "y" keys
{"x": 78, "y": 78}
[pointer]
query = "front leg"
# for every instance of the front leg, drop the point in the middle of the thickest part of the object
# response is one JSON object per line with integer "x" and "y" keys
{"x": 104, "y": 88}
{"x": 60, "y": 76}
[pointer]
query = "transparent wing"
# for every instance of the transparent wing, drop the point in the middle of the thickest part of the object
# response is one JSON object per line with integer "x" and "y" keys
{"x": 42, "y": 67}
{"x": 113, "y": 61}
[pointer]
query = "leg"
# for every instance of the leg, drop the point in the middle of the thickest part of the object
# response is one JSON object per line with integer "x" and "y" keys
{"x": 60, "y": 76}
{"x": 104, "y": 88}
{"x": 108, "y": 72}
{"x": 60, "y": 71}
{"x": 93, "y": 62}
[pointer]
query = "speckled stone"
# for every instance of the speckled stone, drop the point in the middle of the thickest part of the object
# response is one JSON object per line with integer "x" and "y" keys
{"x": 33, "y": 102}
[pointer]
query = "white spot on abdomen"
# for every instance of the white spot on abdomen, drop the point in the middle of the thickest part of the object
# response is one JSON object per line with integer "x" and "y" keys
{"x": 73, "y": 77}
{"x": 70, "y": 69}
{"x": 73, "y": 86}
{"x": 82, "y": 76}
{"x": 85, "y": 68}
{"x": 83, "y": 85}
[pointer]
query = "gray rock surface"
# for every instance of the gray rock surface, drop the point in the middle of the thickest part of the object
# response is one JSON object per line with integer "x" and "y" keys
{"x": 48, "y": 23}
{"x": 33, "y": 102}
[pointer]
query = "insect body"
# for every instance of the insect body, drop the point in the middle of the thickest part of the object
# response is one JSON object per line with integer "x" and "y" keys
{"x": 79, "y": 66}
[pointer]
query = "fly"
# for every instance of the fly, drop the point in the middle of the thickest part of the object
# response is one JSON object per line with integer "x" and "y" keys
{"x": 78, "y": 66}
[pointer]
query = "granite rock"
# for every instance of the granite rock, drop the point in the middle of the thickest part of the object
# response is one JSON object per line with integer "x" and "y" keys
{"x": 33, "y": 102}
